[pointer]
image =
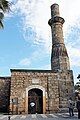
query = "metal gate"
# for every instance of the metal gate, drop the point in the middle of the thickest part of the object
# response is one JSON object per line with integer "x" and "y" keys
{"x": 35, "y": 101}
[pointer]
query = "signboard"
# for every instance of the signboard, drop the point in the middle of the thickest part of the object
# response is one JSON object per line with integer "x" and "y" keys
{"x": 35, "y": 81}
{"x": 15, "y": 101}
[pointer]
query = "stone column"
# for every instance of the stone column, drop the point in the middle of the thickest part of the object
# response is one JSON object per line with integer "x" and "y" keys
{"x": 59, "y": 56}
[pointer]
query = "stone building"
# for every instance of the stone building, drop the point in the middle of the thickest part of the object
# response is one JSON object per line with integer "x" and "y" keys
{"x": 41, "y": 91}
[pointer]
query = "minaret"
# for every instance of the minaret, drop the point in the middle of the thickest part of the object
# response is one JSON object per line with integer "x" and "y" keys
{"x": 59, "y": 56}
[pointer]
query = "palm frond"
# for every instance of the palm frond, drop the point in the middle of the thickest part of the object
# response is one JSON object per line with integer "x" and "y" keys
{"x": 1, "y": 20}
{"x": 4, "y": 5}
{"x": 1, "y": 25}
{"x": 1, "y": 16}
{"x": 1, "y": 8}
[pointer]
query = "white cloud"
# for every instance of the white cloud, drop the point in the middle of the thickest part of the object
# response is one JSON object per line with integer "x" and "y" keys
{"x": 35, "y": 15}
{"x": 73, "y": 46}
{"x": 25, "y": 62}
{"x": 74, "y": 55}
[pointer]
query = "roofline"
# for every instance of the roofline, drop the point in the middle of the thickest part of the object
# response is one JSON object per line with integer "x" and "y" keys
{"x": 5, "y": 77}
{"x": 33, "y": 70}
{"x": 29, "y": 70}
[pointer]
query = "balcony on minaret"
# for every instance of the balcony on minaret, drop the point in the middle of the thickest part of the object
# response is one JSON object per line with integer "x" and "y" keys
{"x": 55, "y": 20}
{"x": 55, "y": 15}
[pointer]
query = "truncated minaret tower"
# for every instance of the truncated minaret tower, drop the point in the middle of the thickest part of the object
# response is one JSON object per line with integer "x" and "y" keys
{"x": 59, "y": 55}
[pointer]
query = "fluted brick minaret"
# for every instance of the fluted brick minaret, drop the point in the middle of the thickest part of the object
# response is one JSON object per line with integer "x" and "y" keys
{"x": 59, "y": 56}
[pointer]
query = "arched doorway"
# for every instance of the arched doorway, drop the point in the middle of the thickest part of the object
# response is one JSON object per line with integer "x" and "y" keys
{"x": 35, "y": 101}
{"x": 36, "y": 89}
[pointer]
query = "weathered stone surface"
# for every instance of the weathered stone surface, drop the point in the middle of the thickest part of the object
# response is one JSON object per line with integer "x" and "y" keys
{"x": 4, "y": 93}
{"x": 58, "y": 90}
{"x": 59, "y": 56}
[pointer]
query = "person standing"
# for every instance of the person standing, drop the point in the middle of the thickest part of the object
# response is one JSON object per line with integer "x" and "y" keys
{"x": 71, "y": 107}
{"x": 78, "y": 107}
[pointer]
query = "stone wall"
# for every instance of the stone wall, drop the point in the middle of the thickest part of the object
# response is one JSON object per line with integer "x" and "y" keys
{"x": 58, "y": 87}
{"x": 61, "y": 87}
{"x": 4, "y": 93}
{"x": 66, "y": 88}
{"x": 22, "y": 79}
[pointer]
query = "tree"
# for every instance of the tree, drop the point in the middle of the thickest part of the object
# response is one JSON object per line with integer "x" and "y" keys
{"x": 77, "y": 87}
{"x": 4, "y": 7}
{"x": 78, "y": 76}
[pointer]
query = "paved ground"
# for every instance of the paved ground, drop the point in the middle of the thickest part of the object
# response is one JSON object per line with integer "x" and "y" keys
{"x": 59, "y": 116}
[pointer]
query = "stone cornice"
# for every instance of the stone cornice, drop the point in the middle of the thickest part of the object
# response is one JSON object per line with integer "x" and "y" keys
{"x": 46, "y": 71}
{"x": 5, "y": 77}
{"x": 56, "y": 19}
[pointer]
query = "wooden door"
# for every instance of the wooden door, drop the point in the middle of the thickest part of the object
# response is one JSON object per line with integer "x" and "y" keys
{"x": 35, "y": 101}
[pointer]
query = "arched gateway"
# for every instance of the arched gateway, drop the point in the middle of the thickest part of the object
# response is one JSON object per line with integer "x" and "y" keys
{"x": 35, "y": 99}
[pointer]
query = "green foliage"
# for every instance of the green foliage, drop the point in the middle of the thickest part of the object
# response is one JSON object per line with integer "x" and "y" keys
{"x": 77, "y": 86}
{"x": 4, "y": 7}
{"x": 1, "y": 24}
{"x": 78, "y": 76}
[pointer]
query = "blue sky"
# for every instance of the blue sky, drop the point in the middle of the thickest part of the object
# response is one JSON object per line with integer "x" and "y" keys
{"x": 26, "y": 39}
